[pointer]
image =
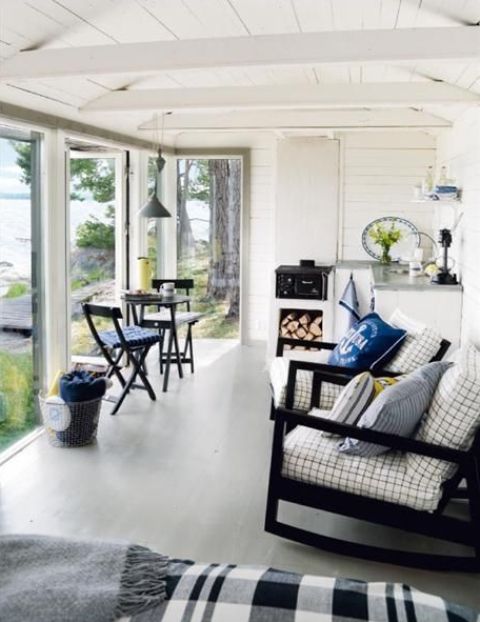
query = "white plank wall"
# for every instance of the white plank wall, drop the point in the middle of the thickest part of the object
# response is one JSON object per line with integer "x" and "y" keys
{"x": 459, "y": 150}
{"x": 380, "y": 169}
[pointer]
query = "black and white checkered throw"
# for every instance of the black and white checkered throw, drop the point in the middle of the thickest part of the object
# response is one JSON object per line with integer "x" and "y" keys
{"x": 229, "y": 593}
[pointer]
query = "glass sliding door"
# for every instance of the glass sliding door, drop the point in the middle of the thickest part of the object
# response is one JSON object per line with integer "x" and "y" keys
{"x": 20, "y": 328}
{"x": 209, "y": 199}
{"x": 94, "y": 206}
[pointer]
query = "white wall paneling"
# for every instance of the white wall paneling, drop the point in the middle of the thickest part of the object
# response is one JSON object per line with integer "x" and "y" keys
{"x": 306, "y": 201}
{"x": 459, "y": 150}
{"x": 379, "y": 173}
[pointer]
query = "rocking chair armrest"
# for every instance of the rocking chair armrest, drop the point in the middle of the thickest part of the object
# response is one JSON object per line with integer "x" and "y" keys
{"x": 393, "y": 441}
{"x": 321, "y": 372}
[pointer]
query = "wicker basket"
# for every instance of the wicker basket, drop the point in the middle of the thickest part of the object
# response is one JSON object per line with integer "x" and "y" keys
{"x": 71, "y": 424}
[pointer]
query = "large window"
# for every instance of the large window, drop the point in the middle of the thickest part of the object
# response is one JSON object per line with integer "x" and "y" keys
{"x": 18, "y": 285}
{"x": 209, "y": 199}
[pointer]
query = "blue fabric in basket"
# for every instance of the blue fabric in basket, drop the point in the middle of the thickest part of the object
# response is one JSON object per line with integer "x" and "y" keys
{"x": 369, "y": 344}
{"x": 80, "y": 386}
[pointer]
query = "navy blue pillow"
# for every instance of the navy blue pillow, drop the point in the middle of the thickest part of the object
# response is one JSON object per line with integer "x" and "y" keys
{"x": 369, "y": 344}
{"x": 80, "y": 386}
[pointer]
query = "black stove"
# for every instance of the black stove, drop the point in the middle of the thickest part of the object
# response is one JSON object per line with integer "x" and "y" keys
{"x": 302, "y": 282}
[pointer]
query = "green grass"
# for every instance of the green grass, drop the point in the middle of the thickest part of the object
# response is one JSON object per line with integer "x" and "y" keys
{"x": 17, "y": 409}
{"x": 16, "y": 290}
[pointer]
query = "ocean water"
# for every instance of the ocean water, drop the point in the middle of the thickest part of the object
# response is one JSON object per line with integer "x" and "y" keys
{"x": 15, "y": 235}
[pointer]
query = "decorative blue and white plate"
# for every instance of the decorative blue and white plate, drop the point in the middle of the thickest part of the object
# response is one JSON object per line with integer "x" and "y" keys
{"x": 403, "y": 249}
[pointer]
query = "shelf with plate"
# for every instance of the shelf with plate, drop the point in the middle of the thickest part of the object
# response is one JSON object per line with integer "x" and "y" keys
{"x": 438, "y": 201}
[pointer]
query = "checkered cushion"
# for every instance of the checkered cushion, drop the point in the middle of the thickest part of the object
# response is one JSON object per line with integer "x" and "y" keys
{"x": 134, "y": 336}
{"x": 181, "y": 317}
{"x": 303, "y": 387}
{"x": 310, "y": 457}
{"x": 419, "y": 347}
{"x": 454, "y": 415}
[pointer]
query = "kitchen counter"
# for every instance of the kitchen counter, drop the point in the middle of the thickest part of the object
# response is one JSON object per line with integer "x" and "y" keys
{"x": 396, "y": 277}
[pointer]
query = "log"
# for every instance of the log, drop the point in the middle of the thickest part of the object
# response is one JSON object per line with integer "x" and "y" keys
{"x": 301, "y": 332}
{"x": 318, "y": 339}
{"x": 305, "y": 319}
{"x": 315, "y": 329}
{"x": 288, "y": 318}
{"x": 292, "y": 326}
{"x": 284, "y": 331}
{"x": 318, "y": 320}
{"x": 308, "y": 337}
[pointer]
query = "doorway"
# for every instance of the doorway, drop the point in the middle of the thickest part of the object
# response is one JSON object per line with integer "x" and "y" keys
{"x": 95, "y": 217}
{"x": 208, "y": 232}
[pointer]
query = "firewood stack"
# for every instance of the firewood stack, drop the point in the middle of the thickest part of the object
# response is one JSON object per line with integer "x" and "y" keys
{"x": 300, "y": 325}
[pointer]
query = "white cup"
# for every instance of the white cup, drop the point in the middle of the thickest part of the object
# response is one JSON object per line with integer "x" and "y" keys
{"x": 168, "y": 290}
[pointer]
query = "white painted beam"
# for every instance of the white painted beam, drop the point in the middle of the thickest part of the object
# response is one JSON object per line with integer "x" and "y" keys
{"x": 299, "y": 119}
{"x": 383, "y": 94}
{"x": 362, "y": 46}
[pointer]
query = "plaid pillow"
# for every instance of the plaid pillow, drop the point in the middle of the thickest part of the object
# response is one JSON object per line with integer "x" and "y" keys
{"x": 419, "y": 347}
{"x": 453, "y": 417}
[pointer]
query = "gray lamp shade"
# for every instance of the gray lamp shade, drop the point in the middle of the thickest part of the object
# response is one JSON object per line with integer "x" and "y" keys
{"x": 153, "y": 208}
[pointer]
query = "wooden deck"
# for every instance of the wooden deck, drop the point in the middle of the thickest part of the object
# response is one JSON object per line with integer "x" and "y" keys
{"x": 16, "y": 314}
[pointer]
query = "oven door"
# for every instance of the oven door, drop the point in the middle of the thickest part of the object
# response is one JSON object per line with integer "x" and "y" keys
{"x": 309, "y": 286}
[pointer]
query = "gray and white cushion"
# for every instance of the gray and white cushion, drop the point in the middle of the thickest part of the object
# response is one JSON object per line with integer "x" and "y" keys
{"x": 303, "y": 387}
{"x": 398, "y": 409}
{"x": 311, "y": 458}
{"x": 419, "y": 346}
{"x": 453, "y": 417}
{"x": 181, "y": 317}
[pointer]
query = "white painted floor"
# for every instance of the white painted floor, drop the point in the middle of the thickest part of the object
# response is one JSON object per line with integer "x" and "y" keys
{"x": 186, "y": 475}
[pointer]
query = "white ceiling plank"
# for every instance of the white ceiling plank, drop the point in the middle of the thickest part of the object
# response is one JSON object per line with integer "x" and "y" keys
{"x": 402, "y": 45}
{"x": 298, "y": 119}
{"x": 389, "y": 95}
{"x": 314, "y": 15}
{"x": 266, "y": 16}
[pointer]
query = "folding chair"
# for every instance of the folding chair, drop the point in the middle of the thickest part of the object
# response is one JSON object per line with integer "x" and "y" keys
{"x": 161, "y": 320}
{"x": 132, "y": 341}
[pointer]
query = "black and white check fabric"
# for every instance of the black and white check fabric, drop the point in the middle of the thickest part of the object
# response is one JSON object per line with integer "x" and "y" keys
{"x": 453, "y": 416}
{"x": 311, "y": 458}
{"x": 419, "y": 346}
{"x": 229, "y": 593}
{"x": 303, "y": 387}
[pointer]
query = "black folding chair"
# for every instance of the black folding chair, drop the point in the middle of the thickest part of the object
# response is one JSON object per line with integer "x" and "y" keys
{"x": 132, "y": 341}
{"x": 161, "y": 320}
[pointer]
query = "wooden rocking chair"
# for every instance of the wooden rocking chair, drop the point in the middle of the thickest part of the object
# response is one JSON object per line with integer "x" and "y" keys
{"x": 435, "y": 524}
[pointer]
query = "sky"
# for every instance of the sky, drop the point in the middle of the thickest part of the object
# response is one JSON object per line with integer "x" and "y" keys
{"x": 10, "y": 173}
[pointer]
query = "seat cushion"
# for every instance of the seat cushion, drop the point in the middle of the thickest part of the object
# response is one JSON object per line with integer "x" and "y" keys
{"x": 454, "y": 414}
{"x": 303, "y": 387}
{"x": 370, "y": 344}
{"x": 311, "y": 458}
{"x": 181, "y": 317}
{"x": 134, "y": 336}
{"x": 398, "y": 409}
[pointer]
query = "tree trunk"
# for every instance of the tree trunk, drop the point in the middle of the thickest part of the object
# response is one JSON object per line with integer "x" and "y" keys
{"x": 185, "y": 241}
{"x": 235, "y": 193}
{"x": 219, "y": 198}
{"x": 225, "y": 202}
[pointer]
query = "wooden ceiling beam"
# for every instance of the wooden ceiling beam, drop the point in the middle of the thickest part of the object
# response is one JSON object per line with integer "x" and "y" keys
{"x": 298, "y": 119}
{"x": 356, "y": 46}
{"x": 382, "y": 94}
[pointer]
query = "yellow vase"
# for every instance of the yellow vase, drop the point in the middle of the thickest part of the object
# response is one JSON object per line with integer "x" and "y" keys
{"x": 144, "y": 273}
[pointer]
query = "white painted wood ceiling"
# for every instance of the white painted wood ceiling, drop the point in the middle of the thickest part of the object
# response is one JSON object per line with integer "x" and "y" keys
{"x": 40, "y": 24}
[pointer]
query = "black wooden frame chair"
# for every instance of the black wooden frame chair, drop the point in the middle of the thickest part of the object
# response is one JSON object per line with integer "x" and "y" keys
{"x": 334, "y": 370}
{"x": 135, "y": 349}
{"x": 188, "y": 318}
{"x": 436, "y": 524}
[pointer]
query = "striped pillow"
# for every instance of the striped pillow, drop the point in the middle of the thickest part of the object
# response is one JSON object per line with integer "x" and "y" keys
{"x": 355, "y": 398}
{"x": 397, "y": 410}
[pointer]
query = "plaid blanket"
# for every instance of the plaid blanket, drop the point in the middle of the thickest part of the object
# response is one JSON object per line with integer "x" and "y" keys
{"x": 229, "y": 593}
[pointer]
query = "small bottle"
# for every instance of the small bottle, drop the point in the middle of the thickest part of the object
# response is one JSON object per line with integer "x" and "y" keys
{"x": 442, "y": 180}
{"x": 427, "y": 184}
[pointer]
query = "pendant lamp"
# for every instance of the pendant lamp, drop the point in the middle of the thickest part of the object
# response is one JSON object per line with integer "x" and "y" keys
{"x": 154, "y": 208}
